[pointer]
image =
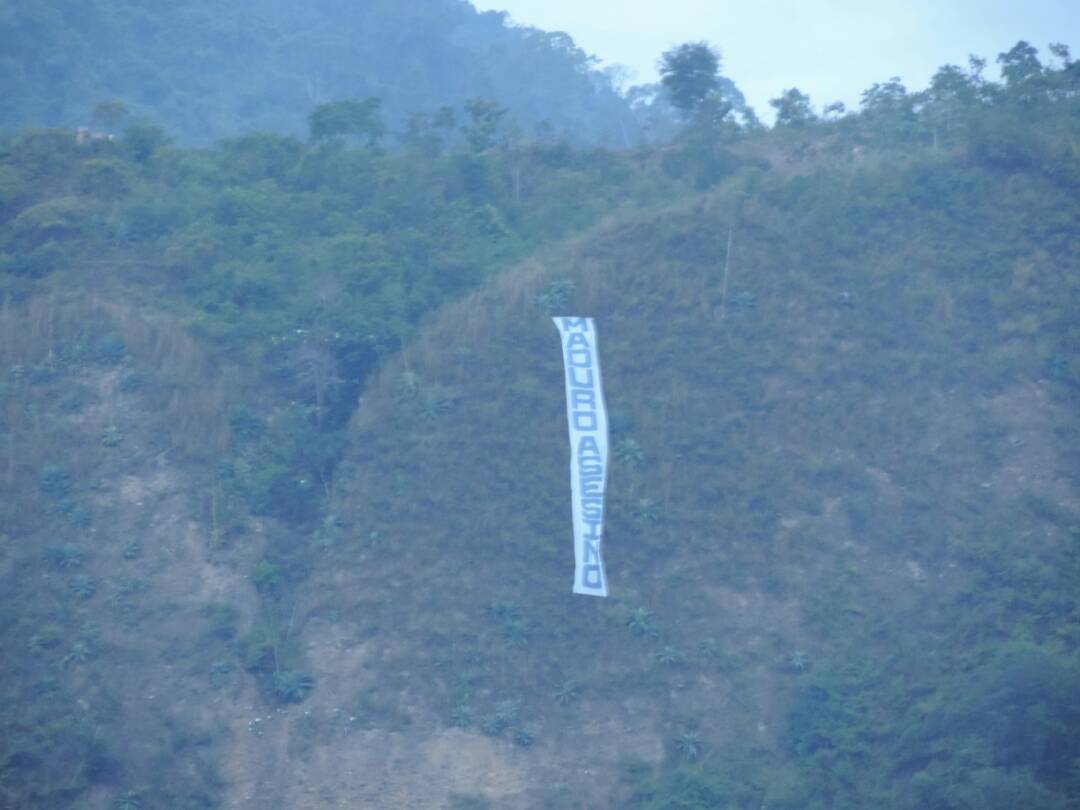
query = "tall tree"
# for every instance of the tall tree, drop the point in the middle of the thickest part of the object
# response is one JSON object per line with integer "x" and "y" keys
{"x": 690, "y": 73}
{"x": 793, "y": 108}
{"x": 1019, "y": 64}
{"x": 485, "y": 119}
{"x": 348, "y": 118}
{"x": 889, "y": 111}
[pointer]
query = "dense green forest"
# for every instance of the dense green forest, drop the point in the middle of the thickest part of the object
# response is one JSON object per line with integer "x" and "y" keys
{"x": 282, "y": 447}
{"x": 208, "y": 70}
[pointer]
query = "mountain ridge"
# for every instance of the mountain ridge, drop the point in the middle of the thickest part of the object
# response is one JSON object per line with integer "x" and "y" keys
{"x": 208, "y": 72}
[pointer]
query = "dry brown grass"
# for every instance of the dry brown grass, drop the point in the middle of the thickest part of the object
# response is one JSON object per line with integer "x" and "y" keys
{"x": 194, "y": 389}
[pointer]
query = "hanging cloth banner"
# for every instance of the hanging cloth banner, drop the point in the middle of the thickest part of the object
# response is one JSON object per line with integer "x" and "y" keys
{"x": 587, "y": 419}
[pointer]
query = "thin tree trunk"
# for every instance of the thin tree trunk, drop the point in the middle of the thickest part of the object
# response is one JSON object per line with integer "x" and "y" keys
{"x": 727, "y": 269}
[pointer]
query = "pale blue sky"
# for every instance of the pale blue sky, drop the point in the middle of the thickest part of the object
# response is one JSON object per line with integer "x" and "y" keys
{"x": 831, "y": 49}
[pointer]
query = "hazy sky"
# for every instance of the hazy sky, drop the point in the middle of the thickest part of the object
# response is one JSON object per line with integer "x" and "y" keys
{"x": 831, "y": 49}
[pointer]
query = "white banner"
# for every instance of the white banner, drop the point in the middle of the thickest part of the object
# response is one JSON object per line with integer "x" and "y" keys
{"x": 587, "y": 419}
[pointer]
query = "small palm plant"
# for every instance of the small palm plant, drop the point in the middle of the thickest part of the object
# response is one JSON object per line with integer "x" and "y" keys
{"x": 64, "y": 557}
{"x": 55, "y": 481}
{"x": 80, "y": 653}
{"x": 507, "y": 711}
{"x": 516, "y": 632}
{"x": 122, "y": 599}
{"x": 668, "y": 656}
{"x": 72, "y": 402}
{"x": 799, "y": 661}
{"x": 45, "y": 640}
{"x": 646, "y": 511}
{"x": 642, "y": 622}
{"x": 1057, "y": 367}
{"x": 567, "y": 692}
{"x": 129, "y": 801}
{"x": 515, "y": 628}
{"x": 82, "y": 587}
{"x": 503, "y": 610}
{"x": 506, "y": 714}
{"x": 689, "y": 745}
{"x": 111, "y": 436}
{"x": 433, "y": 402}
{"x": 629, "y": 452}
{"x": 744, "y": 301}
{"x": 220, "y": 673}
{"x": 293, "y": 687}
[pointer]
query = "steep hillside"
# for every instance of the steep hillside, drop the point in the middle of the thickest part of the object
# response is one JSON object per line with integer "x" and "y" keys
{"x": 120, "y": 597}
{"x": 212, "y": 70}
{"x": 183, "y": 334}
{"x": 284, "y": 512}
{"x": 844, "y": 504}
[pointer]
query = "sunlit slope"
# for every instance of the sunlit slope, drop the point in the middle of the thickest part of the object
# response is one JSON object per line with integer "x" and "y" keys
{"x": 842, "y": 487}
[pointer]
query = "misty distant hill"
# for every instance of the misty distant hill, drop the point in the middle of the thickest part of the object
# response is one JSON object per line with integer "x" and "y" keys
{"x": 206, "y": 70}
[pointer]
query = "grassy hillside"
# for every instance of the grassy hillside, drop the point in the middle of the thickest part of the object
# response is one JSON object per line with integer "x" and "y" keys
{"x": 184, "y": 334}
{"x": 842, "y": 538}
{"x": 285, "y": 512}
